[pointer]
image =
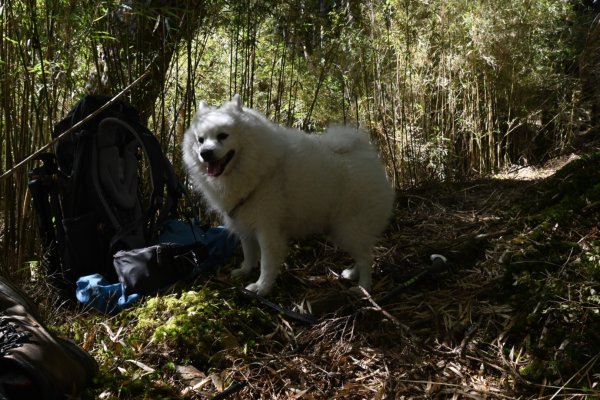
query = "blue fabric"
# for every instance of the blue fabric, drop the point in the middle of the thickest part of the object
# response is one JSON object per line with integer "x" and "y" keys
{"x": 219, "y": 241}
{"x": 95, "y": 291}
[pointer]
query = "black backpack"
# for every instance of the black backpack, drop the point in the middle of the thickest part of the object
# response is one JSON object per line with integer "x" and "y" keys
{"x": 107, "y": 187}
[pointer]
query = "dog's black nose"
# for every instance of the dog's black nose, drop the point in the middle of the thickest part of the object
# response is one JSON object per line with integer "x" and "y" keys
{"x": 207, "y": 155}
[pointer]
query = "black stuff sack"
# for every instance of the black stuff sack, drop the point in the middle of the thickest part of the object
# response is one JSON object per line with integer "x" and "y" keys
{"x": 152, "y": 269}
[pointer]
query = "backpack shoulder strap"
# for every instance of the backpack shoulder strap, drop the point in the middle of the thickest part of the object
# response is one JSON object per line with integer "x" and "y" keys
{"x": 162, "y": 175}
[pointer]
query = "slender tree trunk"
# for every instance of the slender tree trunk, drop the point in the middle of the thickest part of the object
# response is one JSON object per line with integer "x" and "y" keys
{"x": 148, "y": 35}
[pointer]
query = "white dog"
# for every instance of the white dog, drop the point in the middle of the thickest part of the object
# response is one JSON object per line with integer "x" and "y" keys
{"x": 272, "y": 183}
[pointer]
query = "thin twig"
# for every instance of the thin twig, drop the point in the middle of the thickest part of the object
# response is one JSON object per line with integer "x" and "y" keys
{"x": 394, "y": 320}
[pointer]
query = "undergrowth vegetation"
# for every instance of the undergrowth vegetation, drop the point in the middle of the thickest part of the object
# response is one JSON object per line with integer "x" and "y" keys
{"x": 515, "y": 313}
{"x": 553, "y": 277}
{"x": 141, "y": 350}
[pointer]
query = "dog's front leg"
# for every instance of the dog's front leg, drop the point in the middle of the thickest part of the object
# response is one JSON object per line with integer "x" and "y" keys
{"x": 273, "y": 249}
{"x": 250, "y": 250}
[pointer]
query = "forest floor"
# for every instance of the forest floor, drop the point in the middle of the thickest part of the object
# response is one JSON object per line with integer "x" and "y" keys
{"x": 515, "y": 313}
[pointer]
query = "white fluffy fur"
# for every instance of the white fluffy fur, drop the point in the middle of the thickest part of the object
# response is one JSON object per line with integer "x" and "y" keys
{"x": 282, "y": 183}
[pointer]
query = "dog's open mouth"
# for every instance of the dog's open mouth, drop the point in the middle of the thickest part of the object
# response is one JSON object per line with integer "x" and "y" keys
{"x": 217, "y": 167}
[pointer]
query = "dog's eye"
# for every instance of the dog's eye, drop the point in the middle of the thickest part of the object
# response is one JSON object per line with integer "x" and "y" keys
{"x": 200, "y": 139}
{"x": 222, "y": 136}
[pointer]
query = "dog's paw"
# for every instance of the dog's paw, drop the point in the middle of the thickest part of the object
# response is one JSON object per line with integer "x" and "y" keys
{"x": 259, "y": 289}
{"x": 350, "y": 273}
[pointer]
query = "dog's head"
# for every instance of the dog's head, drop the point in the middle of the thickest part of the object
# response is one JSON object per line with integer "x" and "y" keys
{"x": 212, "y": 138}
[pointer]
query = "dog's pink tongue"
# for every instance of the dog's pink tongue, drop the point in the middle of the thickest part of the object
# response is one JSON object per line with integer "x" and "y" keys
{"x": 215, "y": 168}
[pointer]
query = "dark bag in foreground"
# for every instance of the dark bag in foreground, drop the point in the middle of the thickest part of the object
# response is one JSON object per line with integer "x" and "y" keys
{"x": 35, "y": 364}
{"x": 191, "y": 251}
{"x": 151, "y": 269}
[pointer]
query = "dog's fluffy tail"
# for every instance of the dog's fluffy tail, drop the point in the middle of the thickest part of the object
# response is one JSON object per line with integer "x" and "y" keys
{"x": 344, "y": 139}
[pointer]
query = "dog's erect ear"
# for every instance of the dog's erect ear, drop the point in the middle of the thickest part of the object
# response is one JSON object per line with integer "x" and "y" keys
{"x": 202, "y": 108}
{"x": 237, "y": 100}
{"x": 235, "y": 103}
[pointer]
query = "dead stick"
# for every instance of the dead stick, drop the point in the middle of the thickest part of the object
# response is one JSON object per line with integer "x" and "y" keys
{"x": 395, "y": 320}
{"x": 76, "y": 126}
